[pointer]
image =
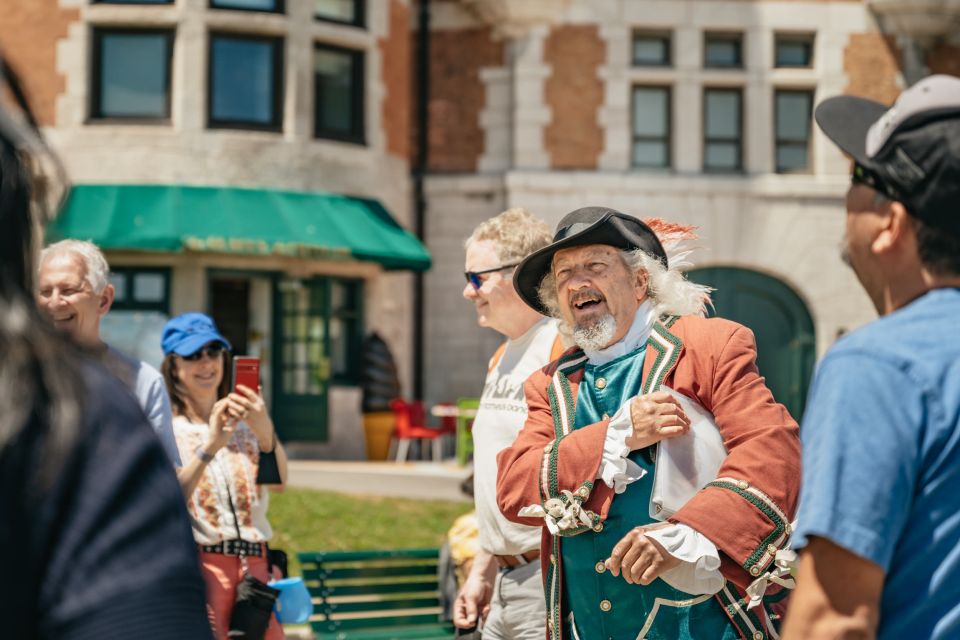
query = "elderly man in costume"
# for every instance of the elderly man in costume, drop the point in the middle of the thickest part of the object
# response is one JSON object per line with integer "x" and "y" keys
{"x": 584, "y": 463}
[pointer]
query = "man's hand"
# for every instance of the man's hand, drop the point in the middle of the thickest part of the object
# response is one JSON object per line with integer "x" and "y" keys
{"x": 641, "y": 559}
{"x": 655, "y": 416}
{"x": 473, "y": 601}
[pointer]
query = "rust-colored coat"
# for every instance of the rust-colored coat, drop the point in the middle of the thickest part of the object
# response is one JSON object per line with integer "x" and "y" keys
{"x": 746, "y": 514}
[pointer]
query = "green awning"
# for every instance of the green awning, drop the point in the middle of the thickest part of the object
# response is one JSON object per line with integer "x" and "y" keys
{"x": 233, "y": 220}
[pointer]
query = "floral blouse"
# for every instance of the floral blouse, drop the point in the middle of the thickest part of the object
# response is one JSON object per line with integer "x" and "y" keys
{"x": 231, "y": 476}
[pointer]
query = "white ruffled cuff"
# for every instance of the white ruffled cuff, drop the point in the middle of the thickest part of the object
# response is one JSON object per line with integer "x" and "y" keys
{"x": 699, "y": 569}
{"x": 615, "y": 468}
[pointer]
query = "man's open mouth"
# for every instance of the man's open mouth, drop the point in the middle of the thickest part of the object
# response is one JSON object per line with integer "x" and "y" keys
{"x": 586, "y": 300}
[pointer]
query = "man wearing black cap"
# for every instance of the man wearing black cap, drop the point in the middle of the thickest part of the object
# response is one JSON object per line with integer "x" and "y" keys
{"x": 878, "y": 521}
{"x": 583, "y": 466}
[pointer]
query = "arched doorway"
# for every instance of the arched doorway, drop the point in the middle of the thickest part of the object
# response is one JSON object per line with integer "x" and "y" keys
{"x": 779, "y": 320}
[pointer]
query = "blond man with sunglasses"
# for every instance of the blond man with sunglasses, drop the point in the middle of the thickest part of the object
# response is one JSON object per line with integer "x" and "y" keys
{"x": 75, "y": 294}
{"x": 504, "y": 588}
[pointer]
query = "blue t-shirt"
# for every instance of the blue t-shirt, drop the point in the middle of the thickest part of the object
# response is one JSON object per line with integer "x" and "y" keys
{"x": 881, "y": 461}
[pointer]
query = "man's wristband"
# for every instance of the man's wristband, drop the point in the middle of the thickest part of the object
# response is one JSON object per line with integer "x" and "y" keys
{"x": 203, "y": 455}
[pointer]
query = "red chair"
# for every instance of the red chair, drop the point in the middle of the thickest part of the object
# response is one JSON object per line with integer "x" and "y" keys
{"x": 411, "y": 424}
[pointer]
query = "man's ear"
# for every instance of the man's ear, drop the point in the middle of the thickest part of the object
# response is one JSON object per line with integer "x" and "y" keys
{"x": 106, "y": 300}
{"x": 642, "y": 284}
{"x": 895, "y": 228}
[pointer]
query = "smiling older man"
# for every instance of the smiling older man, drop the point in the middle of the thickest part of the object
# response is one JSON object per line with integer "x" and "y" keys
{"x": 583, "y": 465}
{"x": 75, "y": 293}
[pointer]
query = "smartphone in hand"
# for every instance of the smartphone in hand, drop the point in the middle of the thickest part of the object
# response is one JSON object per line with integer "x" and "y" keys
{"x": 246, "y": 371}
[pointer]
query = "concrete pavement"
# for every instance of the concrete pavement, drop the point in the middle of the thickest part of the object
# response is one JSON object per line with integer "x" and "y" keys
{"x": 416, "y": 480}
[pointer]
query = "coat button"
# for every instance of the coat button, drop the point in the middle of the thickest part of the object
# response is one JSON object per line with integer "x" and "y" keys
{"x": 743, "y": 484}
{"x": 600, "y": 567}
{"x": 758, "y": 635}
{"x": 598, "y": 527}
{"x": 606, "y": 605}
{"x": 754, "y": 570}
{"x": 583, "y": 492}
{"x": 553, "y": 558}
{"x": 772, "y": 550}
{"x": 605, "y": 416}
{"x": 600, "y": 383}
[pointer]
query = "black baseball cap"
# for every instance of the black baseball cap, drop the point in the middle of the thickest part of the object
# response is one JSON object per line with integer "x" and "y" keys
{"x": 911, "y": 149}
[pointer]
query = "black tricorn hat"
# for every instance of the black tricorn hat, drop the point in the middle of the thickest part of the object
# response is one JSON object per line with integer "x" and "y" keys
{"x": 587, "y": 225}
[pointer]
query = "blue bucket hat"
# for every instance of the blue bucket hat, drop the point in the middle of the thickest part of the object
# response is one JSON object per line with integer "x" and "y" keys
{"x": 187, "y": 333}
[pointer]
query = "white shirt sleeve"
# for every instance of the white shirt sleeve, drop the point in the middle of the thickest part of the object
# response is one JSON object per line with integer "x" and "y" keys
{"x": 699, "y": 569}
{"x": 616, "y": 469}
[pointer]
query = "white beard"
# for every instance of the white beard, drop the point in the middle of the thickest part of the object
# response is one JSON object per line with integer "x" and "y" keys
{"x": 596, "y": 336}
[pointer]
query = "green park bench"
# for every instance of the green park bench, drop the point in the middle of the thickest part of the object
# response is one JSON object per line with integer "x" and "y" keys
{"x": 375, "y": 595}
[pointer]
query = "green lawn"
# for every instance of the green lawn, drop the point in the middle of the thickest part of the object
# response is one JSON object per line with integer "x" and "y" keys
{"x": 306, "y": 520}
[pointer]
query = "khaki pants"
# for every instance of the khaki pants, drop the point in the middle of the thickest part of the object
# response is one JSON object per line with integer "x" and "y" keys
{"x": 517, "y": 608}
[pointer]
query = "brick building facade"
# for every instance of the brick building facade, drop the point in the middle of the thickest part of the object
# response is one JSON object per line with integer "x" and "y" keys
{"x": 690, "y": 110}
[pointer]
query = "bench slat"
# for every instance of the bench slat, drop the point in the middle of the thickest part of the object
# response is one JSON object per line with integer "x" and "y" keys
{"x": 349, "y": 556}
{"x": 443, "y": 631}
{"x": 378, "y": 605}
{"x": 332, "y": 591}
{"x": 376, "y": 623}
{"x": 370, "y": 572}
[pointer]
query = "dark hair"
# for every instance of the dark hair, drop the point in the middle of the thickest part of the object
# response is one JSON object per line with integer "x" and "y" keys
{"x": 939, "y": 248}
{"x": 40, "y": 381}
{"x": 177, "y": 403}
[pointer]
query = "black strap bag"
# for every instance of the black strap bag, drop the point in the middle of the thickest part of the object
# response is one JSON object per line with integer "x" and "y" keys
{"x": 254, "y": 604}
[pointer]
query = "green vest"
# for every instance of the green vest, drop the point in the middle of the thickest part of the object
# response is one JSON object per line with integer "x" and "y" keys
{"x": 607, "y": 607}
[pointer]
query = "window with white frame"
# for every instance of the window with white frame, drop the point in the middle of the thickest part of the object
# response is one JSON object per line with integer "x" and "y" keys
{"x": 651, "y": 127}
{"x": 792, "y": 123}
{"x": 722, "y": 129}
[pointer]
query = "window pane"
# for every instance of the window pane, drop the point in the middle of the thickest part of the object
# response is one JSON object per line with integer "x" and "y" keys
{"x": 338, "y": 108}
{"x": 722, "y": 51}
{"x": 133, "y": 1}
{"x": 791, "y": 157}
{"x": 651, "y": 50}
{"x": 242, "y": 87}
{"x": 133, "y": 75}
{"x": 258, "y": 5}
{"x": 339, "y": 10}
{"x": 794, "y": 53}
{"x": 723, "y": 114}
{"x": 793, "y": 115}
{"x": 149, "y": 287}
{"x": 650, "y": 154}
{"x": 722, "y": 155}
{"x": 136, "y": 333}
{"x": 650, "y": 112}
{"x": 119, "y": 282}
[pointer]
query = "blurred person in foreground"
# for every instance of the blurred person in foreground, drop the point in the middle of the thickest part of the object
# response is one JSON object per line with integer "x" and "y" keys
{"x": 221, "y": 434}
{"x": 879, "y": 530}
{"x": 504, "y": 587}
{"x": 75, "y": 293}
{"x": 98, "y": 541}
{"x": 583, "y": 467}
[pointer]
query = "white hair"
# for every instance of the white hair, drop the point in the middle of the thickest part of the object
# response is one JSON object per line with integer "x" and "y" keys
{"x": 669, "y": 290}
{"x": 95, "y": 264}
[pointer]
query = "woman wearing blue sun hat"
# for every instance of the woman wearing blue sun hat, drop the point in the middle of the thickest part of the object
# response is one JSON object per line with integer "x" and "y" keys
{"x": 220, "y": 434}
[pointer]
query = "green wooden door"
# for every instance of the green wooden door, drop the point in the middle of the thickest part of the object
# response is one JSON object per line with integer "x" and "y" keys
{"x": 779, "y": 320}
{"x": 301, "y": 362}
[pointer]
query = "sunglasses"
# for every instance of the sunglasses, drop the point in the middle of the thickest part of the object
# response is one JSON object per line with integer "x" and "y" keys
{"x": 212, "y": 351}
{"x": 869, "y": 178}
{"x": 473, "y": 277}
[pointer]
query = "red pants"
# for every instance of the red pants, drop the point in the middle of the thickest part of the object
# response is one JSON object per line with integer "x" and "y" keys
{"x": 222, "y": 573}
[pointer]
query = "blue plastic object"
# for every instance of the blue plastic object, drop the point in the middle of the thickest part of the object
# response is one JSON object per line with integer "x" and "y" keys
{"x": 294, "y": 605}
